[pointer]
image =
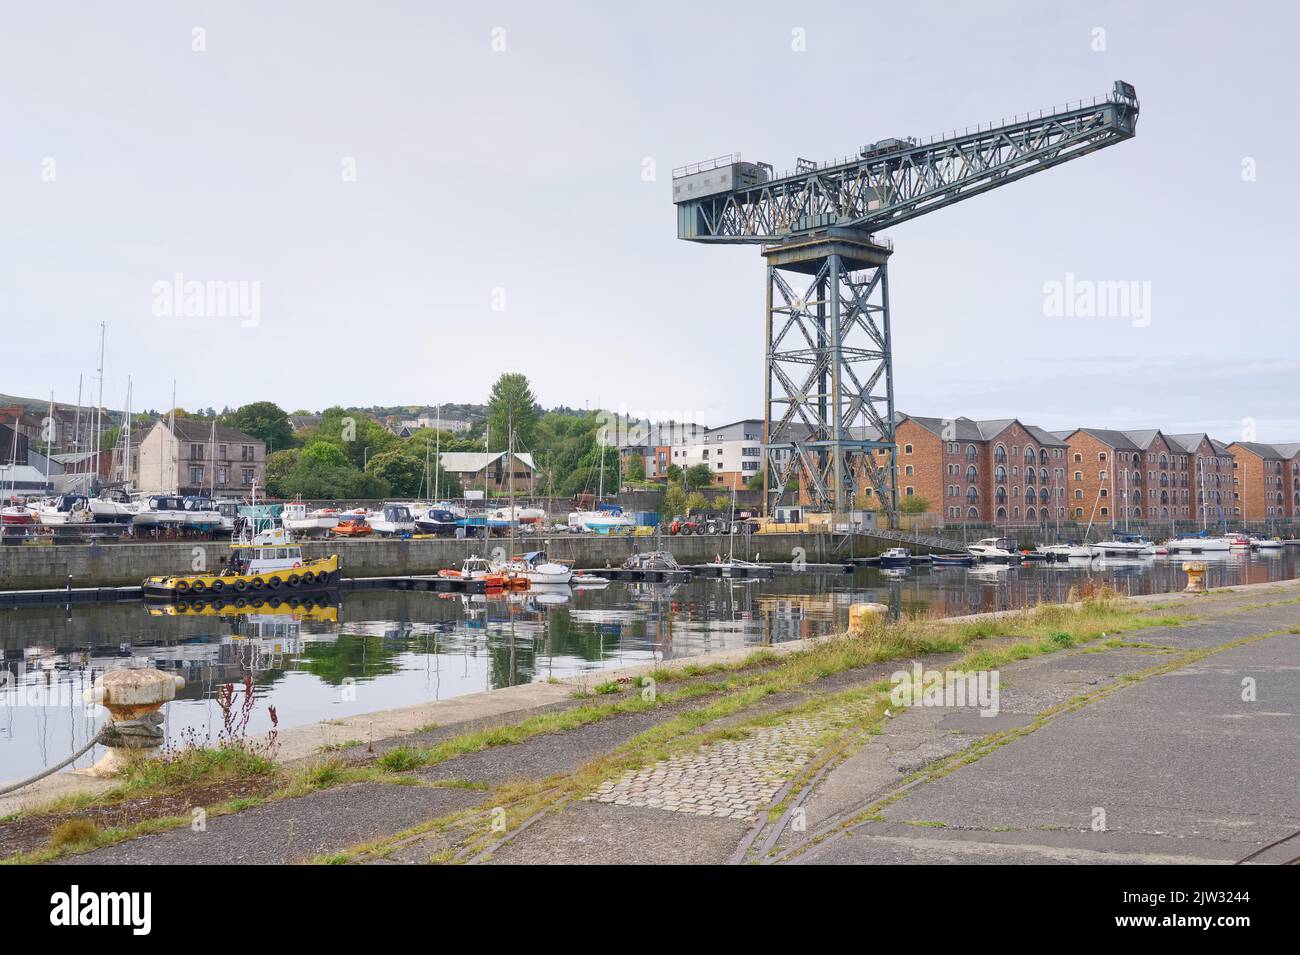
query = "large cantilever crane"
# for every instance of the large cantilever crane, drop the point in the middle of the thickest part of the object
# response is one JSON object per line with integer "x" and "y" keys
{"x": 828, "y": 388}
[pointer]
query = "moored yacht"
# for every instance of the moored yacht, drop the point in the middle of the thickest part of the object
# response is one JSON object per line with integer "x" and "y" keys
{"x": 1197, "y": 544}
{"x": 1124, "y": 545}
{"x": 433, "y": 519}
{"x": 538, "y": 568}
{"x": 993, "y": 550}
{"x": 608, "y": 518}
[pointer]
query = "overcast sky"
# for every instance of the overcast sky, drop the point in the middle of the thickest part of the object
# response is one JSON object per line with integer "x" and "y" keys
{"x": 421, "y": 212}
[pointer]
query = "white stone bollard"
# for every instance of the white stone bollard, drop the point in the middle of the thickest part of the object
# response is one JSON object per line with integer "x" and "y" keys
{"x": 134, "y": 699}
{"x": 863, "y": 616}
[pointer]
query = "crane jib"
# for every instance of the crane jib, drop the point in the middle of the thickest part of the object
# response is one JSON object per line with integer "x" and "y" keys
{"x": 893, "y": 180}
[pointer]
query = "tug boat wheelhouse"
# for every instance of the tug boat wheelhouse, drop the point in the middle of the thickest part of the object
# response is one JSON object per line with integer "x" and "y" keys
{"x": 260, "y": 564}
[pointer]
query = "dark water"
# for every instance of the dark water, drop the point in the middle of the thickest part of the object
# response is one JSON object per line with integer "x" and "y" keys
{"x": 383, "y": 649}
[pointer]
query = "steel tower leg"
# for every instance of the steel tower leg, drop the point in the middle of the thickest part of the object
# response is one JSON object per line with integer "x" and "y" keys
{"x": 829, "y": 391}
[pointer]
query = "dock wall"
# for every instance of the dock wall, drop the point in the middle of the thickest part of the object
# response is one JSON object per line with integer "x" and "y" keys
{"x": 29, "y": 567}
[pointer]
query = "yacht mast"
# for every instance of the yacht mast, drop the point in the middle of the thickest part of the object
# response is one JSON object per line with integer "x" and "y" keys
{"x": 212, "y": 460}
{"x": 126, "y": 437}
{"x": 99, "y": 404}
{"x": 49, "y": 438}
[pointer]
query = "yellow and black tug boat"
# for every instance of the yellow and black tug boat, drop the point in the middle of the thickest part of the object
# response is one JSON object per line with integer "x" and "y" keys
{"x": 267, "y": 563}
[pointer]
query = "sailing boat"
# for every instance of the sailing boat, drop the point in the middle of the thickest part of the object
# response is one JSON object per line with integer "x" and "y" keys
{"x": 1201, "y": 543}
{"x": 732, "y": 566}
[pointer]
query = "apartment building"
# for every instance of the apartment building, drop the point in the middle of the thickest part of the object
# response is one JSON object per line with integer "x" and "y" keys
{"x": 1265, "y": 481}
{"x": 1208, "y": 466}
{"x": 198, "y": 457}
{"x": 998, "y": 471}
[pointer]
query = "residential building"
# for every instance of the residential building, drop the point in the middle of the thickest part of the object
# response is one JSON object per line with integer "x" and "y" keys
{"x": 997, "y": 471}
{"x": 1207, "y": 466}
{"x": 733, "y": 452}
{"x": 304, "y": 422}
{"x": 1261, "y": 481}
{"x": 477, "y": 469}
{"x": 197, "y": 457}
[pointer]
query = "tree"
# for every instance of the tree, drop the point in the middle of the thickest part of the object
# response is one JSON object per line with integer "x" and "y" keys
{"x": 674, "y": 474}
{"x": 698, "y": 476}
{"x": 755, "y": 482}
{"x": 280, "y": 466}
{"x": 695, "y": 501}
{"x": 674, "y": 501}
{"x": 512, "y": 405}
{"x": 634, "y": 469}
{"x": 264, "y": 420}
{"x": 401, "y": 470}
{"x": 913, "y": 505}
{"x": 322, "y": 454}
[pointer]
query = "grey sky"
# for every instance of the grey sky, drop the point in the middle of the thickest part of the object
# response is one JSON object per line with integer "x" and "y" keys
{"x": 521, "y": 170}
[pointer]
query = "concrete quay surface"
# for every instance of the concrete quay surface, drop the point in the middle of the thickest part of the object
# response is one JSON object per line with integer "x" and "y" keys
{"x": 1141, "y": 752}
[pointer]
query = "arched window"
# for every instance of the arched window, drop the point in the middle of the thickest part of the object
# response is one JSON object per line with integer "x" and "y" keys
{"x": 1029, "y": 475}
{"x": 1000, "y": 495}
{"x": 1002, "y": 513}
{"x": 1000, "y": 455}
{"x": 1030, "y": 497}
{"x": 971, "y": 474}
{"x": 1042, "y": 475}
{"x": 972, "y": 512}
{"x": 970, "y": 453}
{"x": 1000, "y": 474}
{"x": 1042, "y": 456}
{"x": 1030, "y": 456}
{"x": 1031, "y": 514}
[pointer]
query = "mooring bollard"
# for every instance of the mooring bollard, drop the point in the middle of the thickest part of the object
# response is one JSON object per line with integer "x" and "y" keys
{"x": 134, "y": 699}
{"x": 861, "y": 616}
{"x": 1195, "y": 571}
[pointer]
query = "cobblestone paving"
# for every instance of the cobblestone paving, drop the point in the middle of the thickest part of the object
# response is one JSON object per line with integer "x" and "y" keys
{"x": 734, "y": 779}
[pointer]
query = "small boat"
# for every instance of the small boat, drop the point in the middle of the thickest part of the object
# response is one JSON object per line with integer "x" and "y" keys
{"x": 1238, "y": 541}
{"x": 65, "y": 509}
{"x": 207, "y": 515}
{"x": 114, "y": 507}
{"x": 896, "y": 557}
{"x": 535, "y": 566}
{"x": 304, "y": 523}
{"x": 1264, "y": 543}
{"x": 606, "y": 519}
{"x": 651, "y": 560}
{"x": 161, "y": 511}
{"x": 478, "y": 568}
{"x": 1065, "y": 551}
{"x": 1197, "y": 544}
{"x": 952, "y": 560}
{"x": 1124, "y": 545}
{"x": 435, "y": 520}
{"x": 735, "y": 567}
{"x": 351, "y": 525}
{"x": 17, "y": 513}
{"x": 993, "y": 550}
{"x": 523, "y": 515}
{"x": 588, "y": 580}
{"x": 261, "y": 563}
{"x": 393, "y": 520}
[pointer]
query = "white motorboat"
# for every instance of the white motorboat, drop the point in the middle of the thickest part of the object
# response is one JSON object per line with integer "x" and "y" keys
{"x": 538, "y": 568}
{"x": 114, "y": 507}
{"x": 161, "y": 511}
{"x": 304, "y": 523}
{"x": 1197, "y": 545}
{"x": 588, "y": 580}
{"x": 1124, "y": 546}
{"x": 65, "y": 509}
{"x": 392, "y": 520}
{"x": 993, "y": 550}
{"x": 1264, "y": 543}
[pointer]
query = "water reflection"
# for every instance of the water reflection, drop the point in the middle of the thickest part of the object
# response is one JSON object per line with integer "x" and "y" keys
{"x": 381, "y": 649}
